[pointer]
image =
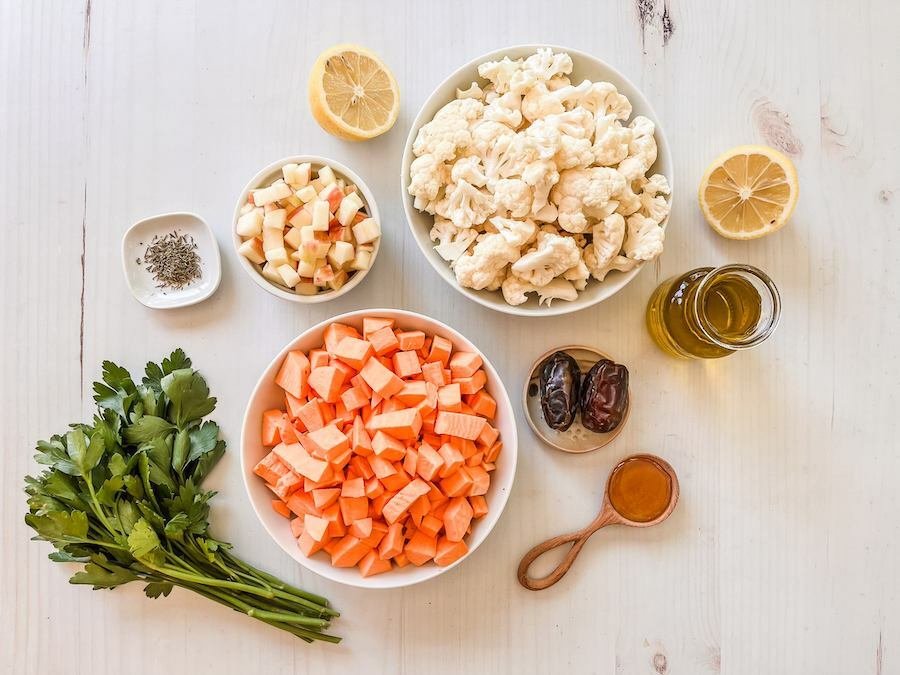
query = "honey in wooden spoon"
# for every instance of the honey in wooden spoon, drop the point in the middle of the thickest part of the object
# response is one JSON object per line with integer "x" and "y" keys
{"x": 642, "y": 491}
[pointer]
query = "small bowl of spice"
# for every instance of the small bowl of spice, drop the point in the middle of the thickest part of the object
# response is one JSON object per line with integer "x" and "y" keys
{"x": 171, "y": 260}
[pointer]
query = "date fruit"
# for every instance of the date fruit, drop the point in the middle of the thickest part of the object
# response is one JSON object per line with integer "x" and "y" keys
{"x": 604, "y": 396}
{"x": 559, "y": 386}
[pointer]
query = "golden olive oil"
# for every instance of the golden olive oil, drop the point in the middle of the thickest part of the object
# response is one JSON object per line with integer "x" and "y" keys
{"x": 710, "y": 313}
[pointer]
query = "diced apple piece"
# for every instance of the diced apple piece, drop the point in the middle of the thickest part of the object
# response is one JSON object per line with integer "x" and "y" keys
{"x": 301, "y": 174}
{"x": 292, "y": 238}
{"x": 320, "y": 216}
{"x": 247, "y": 208}
{"x": 288, "y": 275}
{"x": 306, "y": 268}
{"x": 252, "y": 250}
{"x": 275, "y": 219}
{"x": 317, "y": 185}
{"x": 366, "y": 230}
{"x": 362, "y": 260}
{"x": 272, "y": 238}
{"x": 287, "y": 171}
{"x": 340, "y": 278}
{"x": 277, "y": 256}
{"x": 323, "y": 275}
{"x": 350, "y": 205}
{"x": 340, "y": 254}
{"x": 277, "y": 190}
{"x": 270, "y": 273}
{"x": 326, "y": 176}
{"x": 292, "y": 202}
{"x": 333, "y": 195}
{"x": 301, "y": 217}
{"x": 250, "y": 224}
{"x": 306, "y": 288}
{"x": 306, "y": 194}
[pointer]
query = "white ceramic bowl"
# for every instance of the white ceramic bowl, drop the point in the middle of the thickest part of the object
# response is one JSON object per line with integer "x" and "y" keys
{"x": 264, "y": 178}
{"x": 141, "y": 282}
{"x": 585, "y": 67}
{"x": 268, "y": 395}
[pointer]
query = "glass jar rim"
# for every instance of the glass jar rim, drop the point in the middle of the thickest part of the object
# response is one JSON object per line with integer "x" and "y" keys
{"x": 705, "y": 325}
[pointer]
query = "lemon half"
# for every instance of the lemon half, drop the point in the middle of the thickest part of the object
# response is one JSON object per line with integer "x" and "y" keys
{"x": 748, "y": 192}
{"x": 352, "y": 93}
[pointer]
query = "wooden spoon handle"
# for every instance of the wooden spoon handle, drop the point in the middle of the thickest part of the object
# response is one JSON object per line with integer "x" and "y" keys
{"x": 545, "y": 582}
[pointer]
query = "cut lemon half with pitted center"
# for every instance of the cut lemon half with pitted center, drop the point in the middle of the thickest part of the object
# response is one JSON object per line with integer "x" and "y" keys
{"x": 352, "y": 93}
{"x": 748, "y": 192}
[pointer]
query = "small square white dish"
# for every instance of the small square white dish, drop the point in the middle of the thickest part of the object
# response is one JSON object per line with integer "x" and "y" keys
{"x": 141, "y": 283}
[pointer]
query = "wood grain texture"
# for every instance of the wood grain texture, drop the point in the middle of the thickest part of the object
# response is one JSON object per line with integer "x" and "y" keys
{"x": 782, "y": 555}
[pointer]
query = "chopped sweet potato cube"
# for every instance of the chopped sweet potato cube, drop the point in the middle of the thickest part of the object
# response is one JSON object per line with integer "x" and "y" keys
{"x": 434, "y": 373}
{"x": 481, "y": 481}
{"x": 384, "y": 341}
{"x": 413, "y": 393}
{"x": 372, "y": 564}
{"x": 411, "y": 340}
{"x": 450, "y": 398}
{"x": 325, "y": 497}
{"x": 354, "y": 487}
{"x": 354, "y": 399}
{"x": 271, "y": 420}
{"x": 472, "y": 385}
{"x": 270, "y": 468}
{"x": 451, "y": 458}
{"x": 293, "y": 405}
{"x": 388, "y": 447}
{"x": 336, "y": 332}
{"x": 397, "y": 480}
{"x": 381, "y": 467}
{"x": 420, "y": 549}
{"x": 313, "y": 415}
{"x": 403, "y": 424}
{"x": 362, "y": 528}
{"x": 326, "y": 381}
{"x": 459, "y": 424}
{"x": 354, "y": 352}
{"x": 431, "y": 525}
{"x": 440, "y": 350}
{"x": 392, "y": 543}
{"x": 448, "y": 552}
{"x": 382, "y": 380}
{"x": 316, "y": 527}
{"x": 457, "y": 484}
{"x": 457, "y": 517}
{"x": 406, "y": 364}
{"x": 281, "y": 508}
{"x": 479, "y": 506}
{"x": 353, "y": 508}
{"x": 348, "y": 552}
{"x": 374, "y": 323}
{"x": 401, "y": 501}
{"x": 409, "y": 461}
{"x": 293, "y": 374}
{"x": 428, "y": 462}
{"x": 318, "y": 358}
{"x": 482, "y": 403}
{"x": 464, "y": 364}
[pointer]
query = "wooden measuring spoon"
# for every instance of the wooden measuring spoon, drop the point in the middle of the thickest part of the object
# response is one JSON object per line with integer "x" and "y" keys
{"x": 608, "y": 516}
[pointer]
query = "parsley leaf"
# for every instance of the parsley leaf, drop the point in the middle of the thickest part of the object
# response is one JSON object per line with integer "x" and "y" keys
{"x": 188, "y": 395}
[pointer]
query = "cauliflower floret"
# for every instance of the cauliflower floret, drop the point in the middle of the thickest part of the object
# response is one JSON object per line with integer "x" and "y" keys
{"x": 509, "y": 156}
{"x": 539, "y": 102}
{"x": 620, "y": 263}
{"x": 480, "y": 268}
{"x": 653, "y": 204}
{"x": 577, "y": 123}
{"x": 574, "y": 153}
{"x": 602, "y": 98}
{"x": 427, "y": 175}
{"x": 629, "y": 202}
{"x": 611, "y": 140}
{"x": 473, "y": 91}
{"x": 557, "y": 289}
{"x": 553, "y": 256}
{"x": 453, "y": 241}
{"x": 516, "y": 232}
{"x": 499, "y": 111}
{"x": 468, "y": 169}
{"x": 558, "y": 82}
{"x": 546, "y": 214}
{"x": 499, "y": 73}
{"x": 644, "y": 238}
{"x": 641, "y": 149}
{"x": 466, "y": 205}
{"x": 541, "y": 176}
{"x": 608, "y": 236}
{"x": 449, "y": 131}
{"x": 486, "y": 134}
{"x": 541, "y": 67}
{"x": 513, "y": 195}
{"x": 583, "y": 193}
{"x": 516, "y": 290}
{"x": 578, "y": 275}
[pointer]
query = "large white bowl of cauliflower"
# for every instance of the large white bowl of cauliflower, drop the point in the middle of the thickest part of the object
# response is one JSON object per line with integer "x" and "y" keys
{"x": 536, "y": 181}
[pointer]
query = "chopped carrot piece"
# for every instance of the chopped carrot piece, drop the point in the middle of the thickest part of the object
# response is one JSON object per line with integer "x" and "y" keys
{"x": 336, "y": 332}
{"x": 450, "y": 398}
{"x": 326, "y": 381}
{"x": 420, "y": 549}
{"x": 293, "y": 374}
{"x": 362, "y": 528}
{"x": 383, "y": 341}
{"x": 457, "y": 484}
{"x": 459, "y": 424}
{"x": 457, "y": 517}
{"x": 411, "y": 340}
{"x": 392, "y": 543}
{"x": 448, "y": 552}
{"x": 479, "y": 506}
{"x": 403, "y": 424}
{"x": 325, "y": 497}
{"x": 354, "y": 487}
{"x": 464, "y": 364}
{"x": 401, "y": 501}
{"x": 452, "y": 459}
{"x": 382, "y": 380}
{"x": 472, "y": 385}
{"x": 373, "y": 323}
{"x": 327, "y": 443}
{"x": 482, "y": 403}
{"x": 388, "y": 447}
{"x": 271, "y": 419}
{"x": 406, "y": 364}
{"x": 318, "y": 358}
{"x": 354, "y": 352}
{"x": 281, "y": 508}
{"x": 348, "y": 552}
{"x": 371, "y": 564}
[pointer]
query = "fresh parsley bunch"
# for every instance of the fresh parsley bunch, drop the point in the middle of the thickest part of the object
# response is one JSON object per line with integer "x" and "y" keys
{"x": 123, "y": 496}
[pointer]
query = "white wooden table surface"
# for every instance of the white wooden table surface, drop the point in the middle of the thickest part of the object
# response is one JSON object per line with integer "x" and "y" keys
{"x": 783, "y": 554}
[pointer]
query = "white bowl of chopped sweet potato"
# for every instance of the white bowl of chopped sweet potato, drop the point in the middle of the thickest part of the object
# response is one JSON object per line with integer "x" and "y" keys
{"x": 379, "y": 448}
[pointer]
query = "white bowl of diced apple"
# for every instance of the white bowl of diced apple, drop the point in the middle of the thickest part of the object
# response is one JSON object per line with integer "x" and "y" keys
{"x": 306, "y": 229}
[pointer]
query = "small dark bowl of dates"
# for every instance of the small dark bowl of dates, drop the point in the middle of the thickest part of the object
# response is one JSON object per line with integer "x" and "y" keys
{"x": 577, "y": 398}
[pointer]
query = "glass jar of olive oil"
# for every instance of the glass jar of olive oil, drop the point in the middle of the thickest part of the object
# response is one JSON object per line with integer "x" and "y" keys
{"x": 709, "y": 313}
